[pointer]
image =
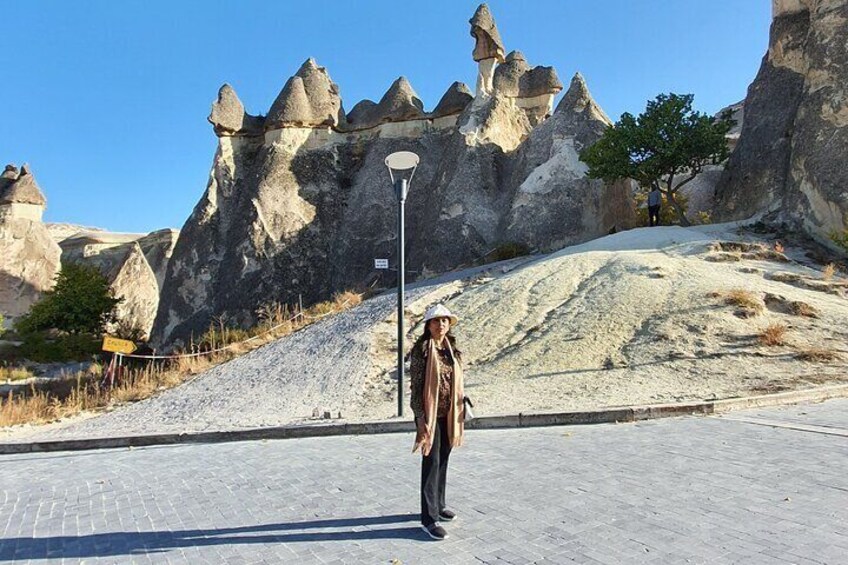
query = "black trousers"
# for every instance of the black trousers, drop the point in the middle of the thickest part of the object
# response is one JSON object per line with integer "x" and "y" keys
{"x": 653, "y": 216}
{"x": 434, "y": 472}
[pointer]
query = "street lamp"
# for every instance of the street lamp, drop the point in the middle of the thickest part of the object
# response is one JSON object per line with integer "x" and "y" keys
{"x": 401, "y": 162}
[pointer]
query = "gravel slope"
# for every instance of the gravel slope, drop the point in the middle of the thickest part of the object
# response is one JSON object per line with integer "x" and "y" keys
{"x": 633, "y": 318}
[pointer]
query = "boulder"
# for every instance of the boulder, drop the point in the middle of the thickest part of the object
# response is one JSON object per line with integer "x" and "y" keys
{"x": 507, "y": 80}
{"x": 309, "y": 99}
{"x": 229, "y": 118}
{"x": 532, "y": 88}
{"x": 487, "y": 40}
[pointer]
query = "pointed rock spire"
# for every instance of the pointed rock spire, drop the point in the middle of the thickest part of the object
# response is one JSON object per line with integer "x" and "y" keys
{"x": 578, "y": 99}
{"x": 454, "y": 101}
{"x": 309, "y": 99}
{"x": 228, "y": 116}
{"x": 488, "y": 44}
{"x": 398, "y": 104}
{"x": 23, "y": 190}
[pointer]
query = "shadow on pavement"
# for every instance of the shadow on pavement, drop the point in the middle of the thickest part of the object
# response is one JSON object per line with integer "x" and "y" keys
{"x": 126, "y": 543}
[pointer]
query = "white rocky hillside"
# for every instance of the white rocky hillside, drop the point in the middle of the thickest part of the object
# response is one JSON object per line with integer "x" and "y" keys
{"x": 635, "y": 317}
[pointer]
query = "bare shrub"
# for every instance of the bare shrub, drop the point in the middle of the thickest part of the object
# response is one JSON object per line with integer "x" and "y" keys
{"x": 828, "y": 271}
{"x": 817, "y": 355}
{"x": 742, "y": 250}
{"x": 745, "y": 300}
{"x": 773, "y": 334}
{"x": 15, "y": 373}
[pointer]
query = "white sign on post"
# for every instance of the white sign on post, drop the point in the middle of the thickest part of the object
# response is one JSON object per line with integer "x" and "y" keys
{"x": 381, "y": 263}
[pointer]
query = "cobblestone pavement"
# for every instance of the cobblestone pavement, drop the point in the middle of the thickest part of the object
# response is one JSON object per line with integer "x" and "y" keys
{"x": 689, "y": 490}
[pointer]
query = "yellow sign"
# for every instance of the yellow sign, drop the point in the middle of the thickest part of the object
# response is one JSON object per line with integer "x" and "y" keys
{"x": 116, "y": 345}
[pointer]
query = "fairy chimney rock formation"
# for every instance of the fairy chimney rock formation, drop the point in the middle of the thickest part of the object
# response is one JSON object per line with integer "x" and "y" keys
{"x": 29, "y": 258}
{"x": 551, "y": 183}
{"x": 488, "y": 48}
{"x": 587, "y": 119}
{"x": 20, "y": 195}
{"x": 228, "y": 116}
{"x": 301, "y": 211}
{"x": 309, "y": 99}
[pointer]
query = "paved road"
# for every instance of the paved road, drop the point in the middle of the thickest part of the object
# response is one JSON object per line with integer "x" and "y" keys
{"x": 691, "y": 490}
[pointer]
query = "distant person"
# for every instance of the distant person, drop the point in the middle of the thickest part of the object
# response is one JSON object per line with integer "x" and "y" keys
{"x": 437, "y": 403}
{"x": 654, "y": 204}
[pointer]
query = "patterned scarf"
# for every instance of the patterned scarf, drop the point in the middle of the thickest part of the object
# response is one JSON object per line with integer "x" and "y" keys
{"x": 456, "y": 421}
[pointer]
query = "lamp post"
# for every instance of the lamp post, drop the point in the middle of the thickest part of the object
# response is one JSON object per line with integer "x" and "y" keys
{"x": 400, "y": 162}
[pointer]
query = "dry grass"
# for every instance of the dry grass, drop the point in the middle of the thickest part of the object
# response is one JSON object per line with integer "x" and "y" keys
{"x": 828, "y": 271}
{"x": 773, "y": 335}
{"x": 817, "y": 355}
{"x": 61, "y": 398}
{"x": 15, "y": 373}
{"x": 747, "y": 302}
{"x": 736, "y": 250}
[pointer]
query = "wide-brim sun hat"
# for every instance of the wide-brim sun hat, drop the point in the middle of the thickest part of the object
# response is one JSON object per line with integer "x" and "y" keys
{"x": 440, "y": 311}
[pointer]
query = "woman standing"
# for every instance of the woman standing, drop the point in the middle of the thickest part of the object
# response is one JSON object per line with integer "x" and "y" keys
{"x": 437, "y": 403}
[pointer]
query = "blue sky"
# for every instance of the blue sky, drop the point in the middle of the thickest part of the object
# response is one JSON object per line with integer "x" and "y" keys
{"x": 107, "y": 100}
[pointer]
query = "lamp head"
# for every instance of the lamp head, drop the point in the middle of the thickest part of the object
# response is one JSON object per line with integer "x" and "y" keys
{"x": 401, "y": 161}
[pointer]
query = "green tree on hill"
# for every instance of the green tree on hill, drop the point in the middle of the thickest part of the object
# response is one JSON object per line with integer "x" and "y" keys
{"x": 80, "y": 303}
{"x": 665, "y": 147}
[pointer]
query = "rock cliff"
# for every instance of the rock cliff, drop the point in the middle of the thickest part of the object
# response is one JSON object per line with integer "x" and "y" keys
{"x": 29, "y": 258}
{"x": 304, "y": 206}
{"x": 788, "y": 163}
{"x": 133, "y": 265}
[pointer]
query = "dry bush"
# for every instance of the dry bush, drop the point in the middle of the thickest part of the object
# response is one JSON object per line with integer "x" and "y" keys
{"x": 828, "y": 271}
{"x": 15, "y": 373}
{"x": 752, "y": 251}
{"x": 347, "y": 299}
{"x": 817, "y": 355}
{"x": 773, "y": 334}
{"x": 60, "y": 398}
{"x": 747, "y": 302}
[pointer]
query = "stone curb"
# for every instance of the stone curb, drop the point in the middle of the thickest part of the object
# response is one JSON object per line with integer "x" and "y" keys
{"x": 602, "y": 416}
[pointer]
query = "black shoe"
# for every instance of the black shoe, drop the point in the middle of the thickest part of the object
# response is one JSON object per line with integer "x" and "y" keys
{"x": 447, "y": 515}
{"x": 435, "y": 531}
